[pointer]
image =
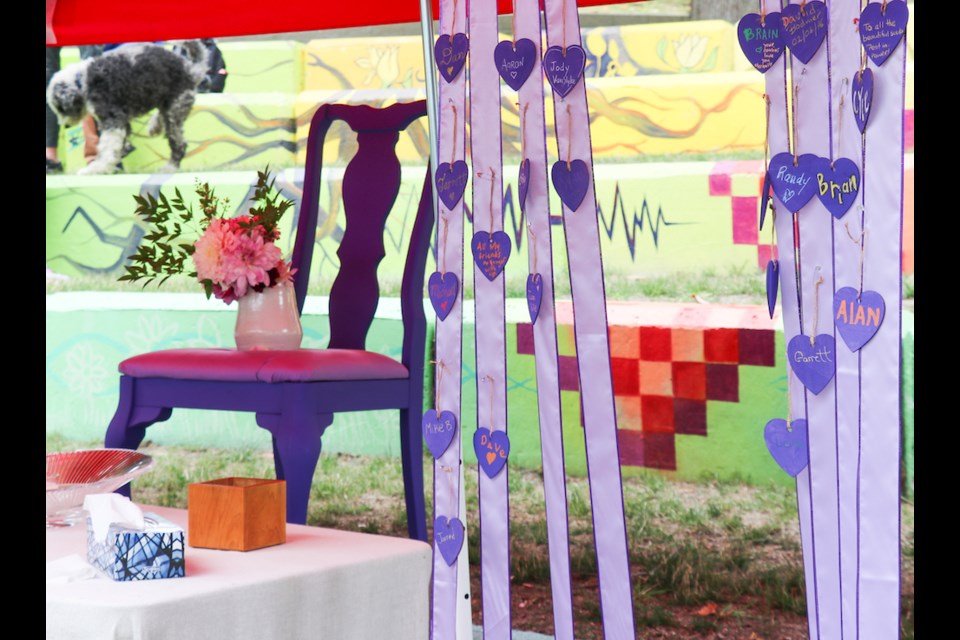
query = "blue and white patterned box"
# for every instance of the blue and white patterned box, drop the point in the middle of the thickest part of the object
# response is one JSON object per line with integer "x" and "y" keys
{"x": 130, "y": 554}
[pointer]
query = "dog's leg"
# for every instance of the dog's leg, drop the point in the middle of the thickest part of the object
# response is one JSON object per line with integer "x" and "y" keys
{"x": 155, "y": 126}
{"x": 173, "y": 119}
{"x": 109, "y": 151}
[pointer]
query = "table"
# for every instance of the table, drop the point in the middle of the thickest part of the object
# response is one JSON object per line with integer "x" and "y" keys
{"x": 321, "y": 584}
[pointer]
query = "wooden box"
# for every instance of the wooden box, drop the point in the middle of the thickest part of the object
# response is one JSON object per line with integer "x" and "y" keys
{"x": 237, "y": 514}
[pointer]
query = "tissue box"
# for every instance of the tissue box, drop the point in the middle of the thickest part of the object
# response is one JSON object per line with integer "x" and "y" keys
{"x": 237, "y": 514}
{"x": 131, "y": 554}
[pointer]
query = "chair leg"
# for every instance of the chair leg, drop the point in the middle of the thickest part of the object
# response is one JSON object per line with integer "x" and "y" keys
{"x": 129, "y": 424}
{"x": 411, "y": 455}
{"x": 296, "y": 449}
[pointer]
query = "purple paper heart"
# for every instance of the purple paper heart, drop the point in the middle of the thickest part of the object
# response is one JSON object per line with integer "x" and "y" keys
{"x": 804, "y": 28}
{"x": 448, "y": 536}
{"x": 862, "y": 97}
{"x": 523, "y": 182}
{"x": 534, "y": 295}
{"x": 881, "y": 28}
{"x": 793, "y": 184}
{"x": 564, "y": 68}
{"x": 858, "y": 317}
{"x": 443, "y": 289}
{"x": 571, "y": 182}
{"x": 765, "y": 192}
{"x": 515, "y": 61}
{"x": 492, "y": 449}
{"x": 451, "y": 54}
{"x": 438, "y": 431}
{"x": 760, "y": 39}
{"x": 788, "y": 444}
{"x": 491, "y": 252}
{"x": 837, "y": 185}
{"x": 451, "y": 181}
{"x": 813, "y": 363}
{"x": 773, "y": 284}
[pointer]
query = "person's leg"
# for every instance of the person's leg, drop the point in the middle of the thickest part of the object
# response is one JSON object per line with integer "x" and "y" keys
{"x": 91, "y": 133}
{"x": 53, "y": 126}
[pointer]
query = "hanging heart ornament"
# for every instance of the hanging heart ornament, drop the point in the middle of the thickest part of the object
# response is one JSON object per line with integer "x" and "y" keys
{"x": 858, "y": 316}
{"x": 881, "y": 27}
{"x": 451, "y": 54}
{"x": 451, "y": 182}
{"x": 448, "y": 536}
{"x": 862, "y": 94}
{"x": 564, "y": 68}
{"x": 773, "y": 285}
{"x": 515, "y": 61}
{"x": 788, "y": 444}
{"x": 804, "y": 28}
{"x": 760, "y": 39}
{"x": 492, "y": 449}
{"x": 491, "y": 252}
{"x": 571, "y": 181}
{"x": 814, "y": 361}
{"x": 838, "y": 183}
{"x": 443, "y": 289}
{"x": 438, "y": 430}
{"x": 534, "y": 295}
{"x": 523, "y": 182}
{"x": 793, "y": 184}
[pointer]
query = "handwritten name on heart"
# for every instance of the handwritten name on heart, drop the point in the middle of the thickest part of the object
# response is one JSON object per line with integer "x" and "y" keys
{"x": 837, "y": 184}
{"x": 451, "y": 54}
{"x": 788, "y": 444}
{"x": 773, "y": 285}
{"x": 564, "y": 68}
{"x": 882, "y": 27}
{"x": 448, "y": 536}
{"x": 491, "y": 252}
{"x": 862, "y": 90}
{"x": 492, "y": 449}
{"x": 443, "y": 289}
{"x": 515, "y": 61}
{"x": 793, "y": 184}
{"x": 451, "y": 181}
{"x": 438, "y": 431}
{"x": 534, "y": 295}
{"x": 571, "y": 182}
{"x": 814, "y": 363}
{"x": 523, "y": 182}
{"x": 804, "y": 28}
{"x": 760, "y": 39}
{"x": 857, "y": 316}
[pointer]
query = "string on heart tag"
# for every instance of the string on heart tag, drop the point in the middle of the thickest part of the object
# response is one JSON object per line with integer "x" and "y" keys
{"x": 492, "y": 446}
{"x": 860, "y": 242}
{"x": 453, "y": 145}
{"x": 440, "y": 368}
{"x": 451, "y": 488}
{"x": 523, "y": 129}
{"x": 569, "y": 136}
{"x": 443, "y": 250}
{"x": 533, "y": 243}
{"x": 816, "y": 304}
{"x": 833, "y": 155}
{"x": 793, "y": 111}
{"x": 489, "y": 379}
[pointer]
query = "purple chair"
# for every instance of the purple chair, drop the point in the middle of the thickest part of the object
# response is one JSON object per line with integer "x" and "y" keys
{"x": 295, "y": 393}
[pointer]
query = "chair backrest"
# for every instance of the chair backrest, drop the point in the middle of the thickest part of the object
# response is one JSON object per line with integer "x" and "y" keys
{"x": 371, "y": 182}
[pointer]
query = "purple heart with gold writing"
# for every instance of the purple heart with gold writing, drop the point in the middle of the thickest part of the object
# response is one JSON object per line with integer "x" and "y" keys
{"x": 450, "y": 54}
{"x": 451, "y": 181}
{"x": 443, "y": 289}
{"x": 448, "y": 535}
{"x": 857, "y": 316}
{"x": 523, "y": 182}
{"x": 788, "y": 444}
{"x": 492, "y": 449}
{"x": 794, "y": 184}
{"x": 534, "y": 295}
{"x": 814, "y": 361}
{"x": 438, "y": 431}
{"x": 515, "y": 61}
{"x": 491, "y": 252}
{"x": 837, "y": 184}
{"x": 773, "y": 284}
{"x": 571, "y": 181}
{"x": 564, "y": 68}
{"x": 862, "y": 97}
{"x": 804, "y": 28}
{"x": 765, "y": 192}
{"x": 760, "y": 39}
{"x": 881, "y": 27}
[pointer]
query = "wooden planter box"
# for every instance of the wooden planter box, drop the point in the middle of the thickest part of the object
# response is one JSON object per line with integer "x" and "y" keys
{"x": 237, "y": 514}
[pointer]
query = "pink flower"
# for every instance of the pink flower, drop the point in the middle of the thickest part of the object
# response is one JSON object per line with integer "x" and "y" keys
{"x": 208, "y": 256}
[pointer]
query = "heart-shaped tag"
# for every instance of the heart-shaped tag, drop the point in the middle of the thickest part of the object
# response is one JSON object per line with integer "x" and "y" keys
{"x": 773, "y": 284}
{"x": 451, "y": 54}
{"x": 448, "y": 535}
{"x": 491, "y": 252}
{"x": 862, "y": 97}
{"x": 765, "y": 192}
{"x": 814, "y": 363}
{"x": 451, "y": 181}
{"x": 515, "y": 61}
{"x": 571, "y": 182}
{"x": 523, "y": 182}
{"x": 793, "y": 184}
{"x": 837, "y": 185}
{"x": 760, "y": 39}
{"x": 882, "y": 26}
{"x": 438, "y": 431}
{"x": 564, "y": 68}
{"x": 858, "y": 317}
{"x": 534, "y": 295}
{"x": 443, "y": 289}
{"x": 492, "y": 449}
{"x": 804, "y": 28}
{"x": 788, "y": 444}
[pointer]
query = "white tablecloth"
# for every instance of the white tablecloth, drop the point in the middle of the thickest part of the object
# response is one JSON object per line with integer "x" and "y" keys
{"x": 320, "y": 584}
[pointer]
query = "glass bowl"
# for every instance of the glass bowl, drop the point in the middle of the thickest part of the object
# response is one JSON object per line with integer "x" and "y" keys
{"x": 73, "y": 475}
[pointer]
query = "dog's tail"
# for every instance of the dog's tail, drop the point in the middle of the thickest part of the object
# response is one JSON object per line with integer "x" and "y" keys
{"x": 197, "y": 54}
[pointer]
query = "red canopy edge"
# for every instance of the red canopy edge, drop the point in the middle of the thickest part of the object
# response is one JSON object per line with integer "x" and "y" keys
{"x": 80, "y": 22}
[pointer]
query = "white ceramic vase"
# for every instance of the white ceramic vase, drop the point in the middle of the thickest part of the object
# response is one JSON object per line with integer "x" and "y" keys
{"x": 268, "y": 320}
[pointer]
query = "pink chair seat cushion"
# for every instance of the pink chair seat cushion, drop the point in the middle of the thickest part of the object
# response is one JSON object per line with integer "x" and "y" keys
{"x": 300, "y": 365}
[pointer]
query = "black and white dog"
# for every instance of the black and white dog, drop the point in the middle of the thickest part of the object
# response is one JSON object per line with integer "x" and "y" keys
{"x": 123, "y": 84}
